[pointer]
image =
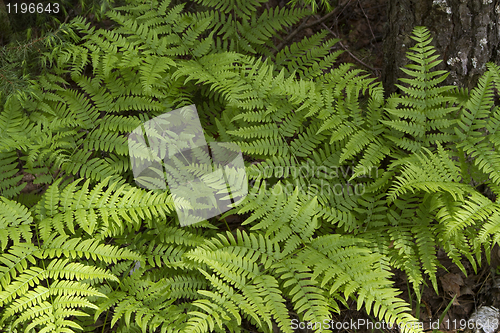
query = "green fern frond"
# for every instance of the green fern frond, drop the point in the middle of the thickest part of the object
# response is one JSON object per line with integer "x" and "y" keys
{"x": 15, "y": 222}
{"x": 477, "y": 109}
{"x": 430, "y": 173}
{"x": 92, "y": 210}
{"x": 308, "y": 58}
{"x": 352, "y": 274}
{"x": 426, "y": 107}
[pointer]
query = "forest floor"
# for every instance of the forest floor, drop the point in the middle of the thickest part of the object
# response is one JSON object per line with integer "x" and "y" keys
{"x": 360, "y": 24}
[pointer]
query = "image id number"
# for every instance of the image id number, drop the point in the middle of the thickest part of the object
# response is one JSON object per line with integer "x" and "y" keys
{"x": 32, "y": 8}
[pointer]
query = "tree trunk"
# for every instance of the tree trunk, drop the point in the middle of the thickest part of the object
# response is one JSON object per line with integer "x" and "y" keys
{"x": 466, "y": 34}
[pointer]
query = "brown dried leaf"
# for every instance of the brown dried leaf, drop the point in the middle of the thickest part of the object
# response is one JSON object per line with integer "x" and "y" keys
{"x": 466, "y": 290}
{"x": 451, "y": 283}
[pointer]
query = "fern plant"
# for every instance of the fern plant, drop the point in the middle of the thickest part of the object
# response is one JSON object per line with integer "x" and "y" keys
{"x": 415, "y": 185}
{"x": 346, "y": 185}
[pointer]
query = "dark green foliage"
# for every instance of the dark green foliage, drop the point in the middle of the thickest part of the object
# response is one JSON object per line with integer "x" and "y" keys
{"x": 346, "y": 184}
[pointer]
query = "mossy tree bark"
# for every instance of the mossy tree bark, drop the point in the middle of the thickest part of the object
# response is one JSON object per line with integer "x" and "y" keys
{"x": 466, "y": 34}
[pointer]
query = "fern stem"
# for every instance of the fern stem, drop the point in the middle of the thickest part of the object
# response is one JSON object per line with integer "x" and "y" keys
{"x": 227, "y": 225}
{"x": 105, "y": 320}
{"x": 43, "y": 264}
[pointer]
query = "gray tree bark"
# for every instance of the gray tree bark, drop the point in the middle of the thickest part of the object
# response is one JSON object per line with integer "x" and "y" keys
{"x": 466, "y": 33}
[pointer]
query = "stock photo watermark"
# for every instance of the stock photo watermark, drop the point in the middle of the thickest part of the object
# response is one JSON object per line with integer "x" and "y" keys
{"x": 364, "y": 324}
{"x": 205, "y": 180}
{"x": 310, "y": 171}
{"x": 317, "y": 180}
